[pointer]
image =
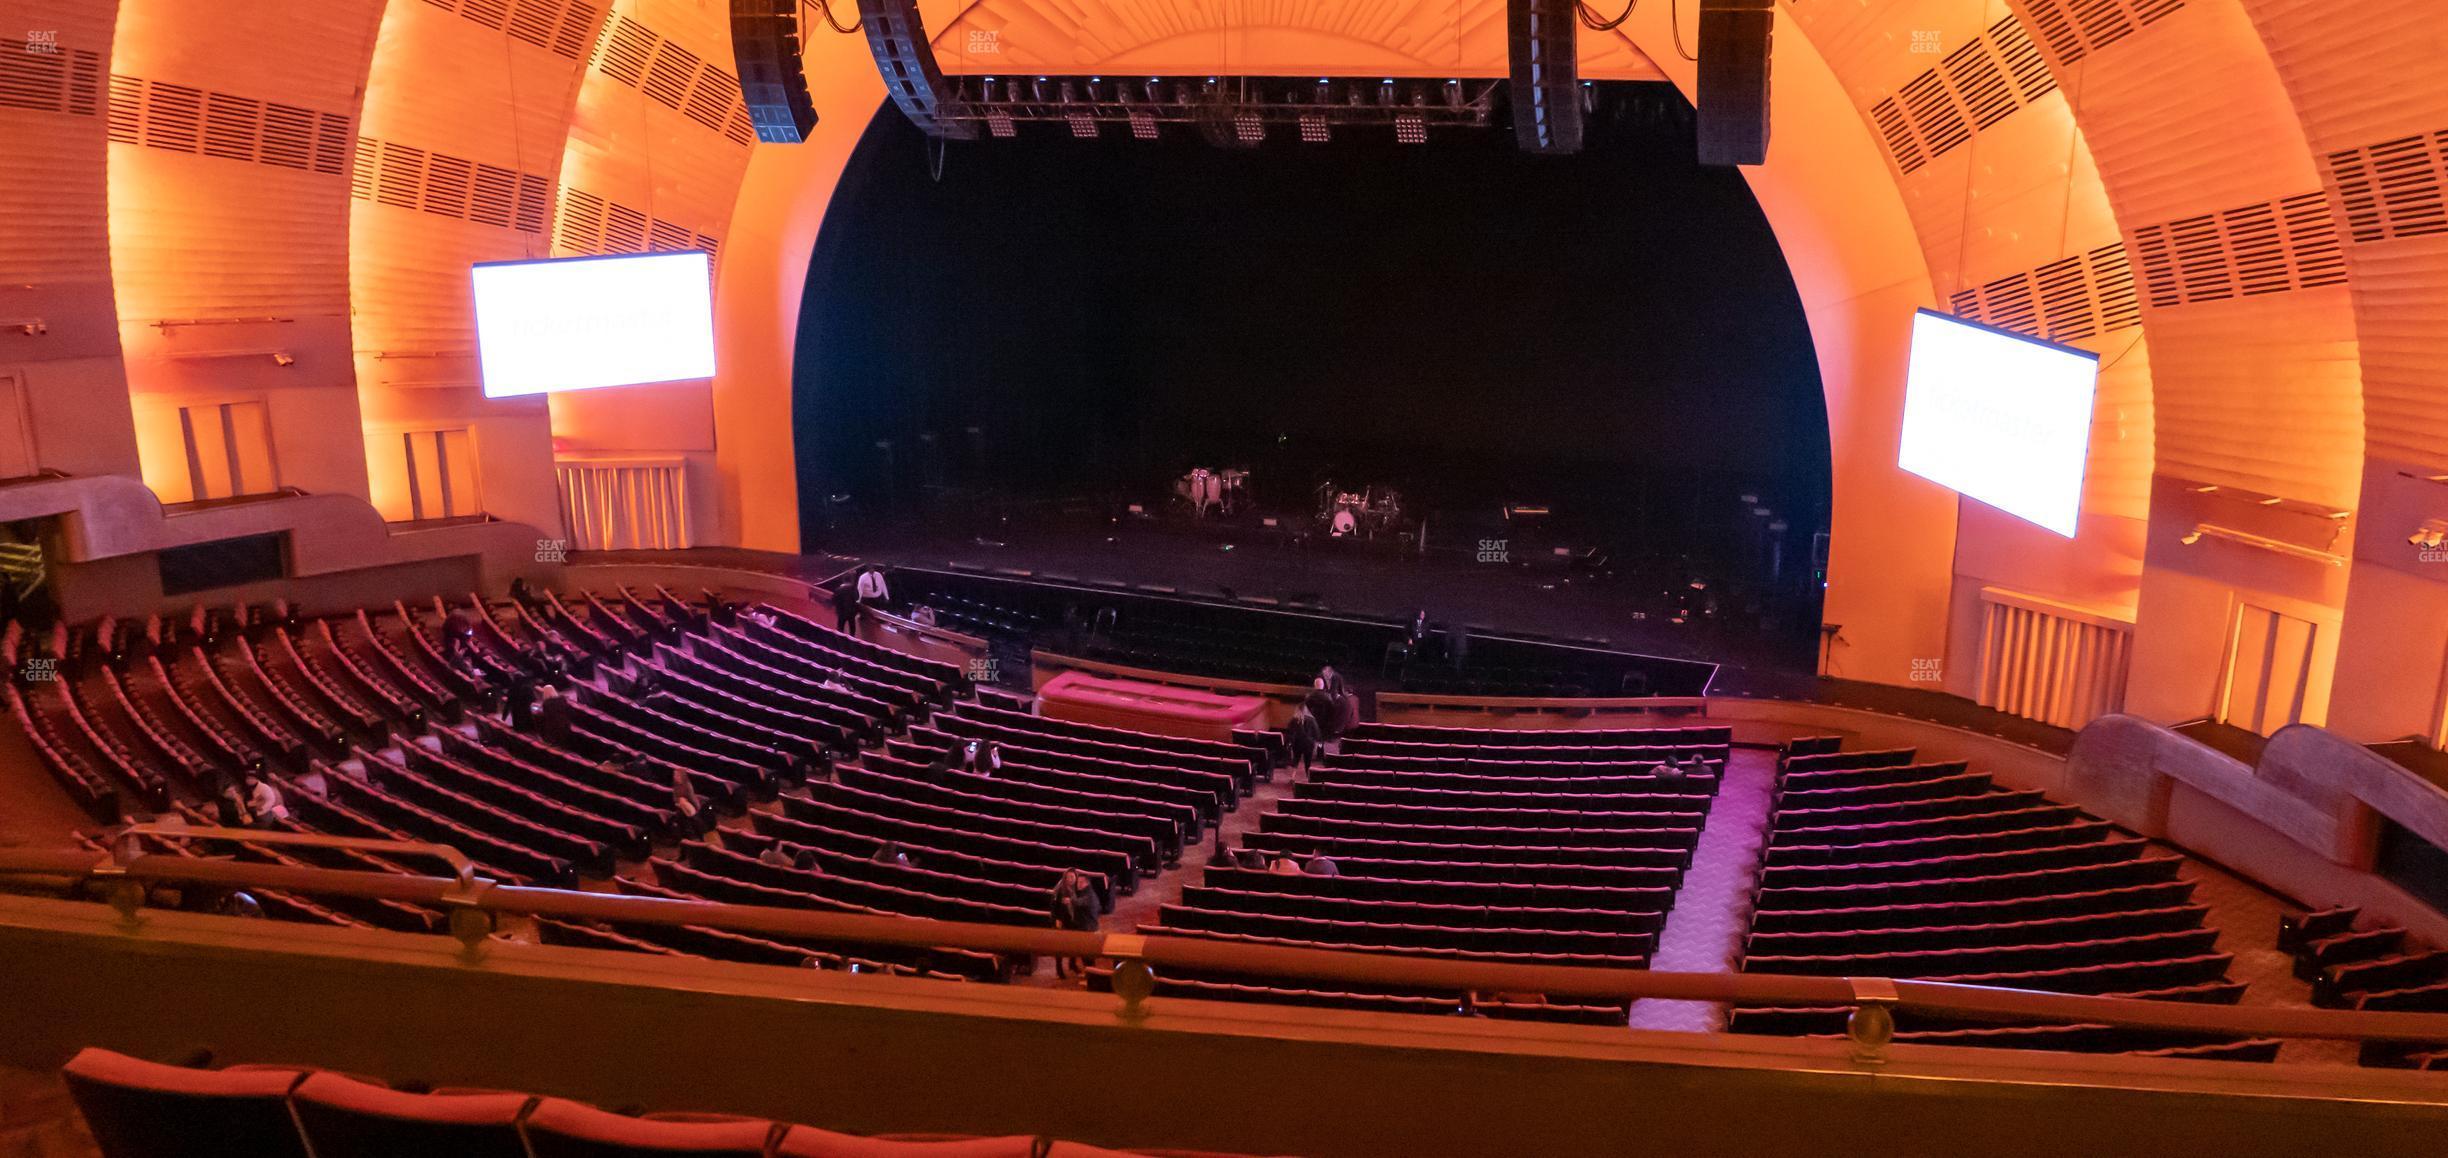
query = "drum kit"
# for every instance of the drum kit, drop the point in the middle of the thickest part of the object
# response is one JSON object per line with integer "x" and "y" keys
{"x": 1368, "y": 513}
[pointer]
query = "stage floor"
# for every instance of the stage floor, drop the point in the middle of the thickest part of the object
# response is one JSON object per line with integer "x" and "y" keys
{"x": 1500, "y": 599}
{"x": 1357, "y": 578}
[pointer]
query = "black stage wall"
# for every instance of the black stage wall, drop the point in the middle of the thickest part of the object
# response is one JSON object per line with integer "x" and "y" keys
{"x": 1613, "y": 333}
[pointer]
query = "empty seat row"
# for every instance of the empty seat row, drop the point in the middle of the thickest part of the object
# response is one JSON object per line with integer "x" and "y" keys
{"x": 1880, "y": 863}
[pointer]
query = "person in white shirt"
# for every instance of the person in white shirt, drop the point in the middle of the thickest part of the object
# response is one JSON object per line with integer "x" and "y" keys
{"x": 265, "y": 802}
{"x": 871, "y": 588}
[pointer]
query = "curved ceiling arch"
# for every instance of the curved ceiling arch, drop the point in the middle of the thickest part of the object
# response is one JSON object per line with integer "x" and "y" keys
{"x": 229, "y": 210}
{"x": 467, "y": 109}
{"x": 1826, "y": 191}
{"x": 2018, "y": 232}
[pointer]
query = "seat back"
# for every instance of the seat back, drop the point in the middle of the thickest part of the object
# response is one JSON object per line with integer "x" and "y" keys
{"x": 810, "y": 1142}
{"x": 344, "y": 1118}
{"x": 142, "y": 1109}
{"x": 559, "y": 1128}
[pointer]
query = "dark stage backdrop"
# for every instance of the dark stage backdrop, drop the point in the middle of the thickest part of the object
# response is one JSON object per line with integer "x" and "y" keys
{"x": 1614, "y": 333}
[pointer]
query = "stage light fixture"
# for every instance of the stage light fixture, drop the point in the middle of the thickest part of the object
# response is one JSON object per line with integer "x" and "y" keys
{"x": 1143, "y": 124}
{"x": 1083, "y": 126}
{"x": 1313, "y": 128}
{"x": 1410, "y": 129}
{"x": 999, "y": 123}
{"x": 1248, "y": 128}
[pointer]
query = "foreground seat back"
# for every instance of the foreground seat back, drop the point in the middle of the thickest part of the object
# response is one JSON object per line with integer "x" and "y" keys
{"x": 344, "y": 1118}
{"x": 141, "y": 1109}
{"x": 559, "y": 1128}
{"x": 810, "y": 1142}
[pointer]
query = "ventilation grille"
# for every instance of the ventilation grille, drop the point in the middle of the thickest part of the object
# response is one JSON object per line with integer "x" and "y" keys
{"x": 2067, "y": 300}
{"x": 589, "y": 224}
{"x": 390, "y": 173}
{"x": 183, "y": 119}
{"x": 2074, "y": 29}
{"x": 2271, "y": 247}
{"x": 51, "y": 82}
{"x": 2393, "y": 189}
{"x": 677, "y": 79}
{"x": 557, "y": 26}
{"x": 1976, "y": 86}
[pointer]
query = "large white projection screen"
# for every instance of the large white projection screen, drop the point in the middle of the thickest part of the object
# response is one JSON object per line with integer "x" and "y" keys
{"x": 583, "y": 322}
{"x": 2000, "y": 417}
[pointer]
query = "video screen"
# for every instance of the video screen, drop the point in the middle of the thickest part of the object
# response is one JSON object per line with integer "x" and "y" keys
{"x": 586, "y": 322}
{"x": 2000, "y": 417}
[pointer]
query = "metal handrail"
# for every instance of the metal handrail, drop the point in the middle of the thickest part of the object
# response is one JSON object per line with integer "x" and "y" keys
{"x": 1862, "y": 994}
{"x": 461, "y": 867}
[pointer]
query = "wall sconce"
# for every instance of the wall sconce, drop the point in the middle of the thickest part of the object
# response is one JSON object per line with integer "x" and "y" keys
{"x": 30, "y": 327}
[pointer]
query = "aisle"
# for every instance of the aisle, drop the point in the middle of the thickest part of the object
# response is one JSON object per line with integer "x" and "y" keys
{"x": 1712, "y": 911}
{"x": 1140, "y": 907}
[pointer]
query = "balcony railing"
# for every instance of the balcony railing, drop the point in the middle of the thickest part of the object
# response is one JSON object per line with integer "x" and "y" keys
{"x": 476, "y": 903}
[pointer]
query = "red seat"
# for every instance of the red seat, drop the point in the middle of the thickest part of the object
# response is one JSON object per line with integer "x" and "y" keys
{"x": 1062, "y": 1149}
{"x": 810, "y": 1142}
{"x": 344, "y": 1118}
{"x": 142, "y": 1109}
{"x": 559, "y": 1128}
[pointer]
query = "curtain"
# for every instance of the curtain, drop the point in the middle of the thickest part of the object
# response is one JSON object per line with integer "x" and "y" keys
{"x": 625, "y": 504}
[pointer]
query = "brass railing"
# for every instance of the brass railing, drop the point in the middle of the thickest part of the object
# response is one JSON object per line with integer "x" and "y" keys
{"x": 475, "y": 903}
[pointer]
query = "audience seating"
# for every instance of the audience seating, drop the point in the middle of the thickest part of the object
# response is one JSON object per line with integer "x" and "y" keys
{"x": 1556, "y": 847}
{"x": 1882, "y": 864}
{"x": 1464, "y": 843}
{"x": 2375, "y": 967}
{"x": 342, "y": 1117}
{"x": 142, "y": 1109}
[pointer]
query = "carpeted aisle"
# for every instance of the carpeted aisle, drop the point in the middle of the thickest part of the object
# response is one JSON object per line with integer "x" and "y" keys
{"x": 1704, "y": 931}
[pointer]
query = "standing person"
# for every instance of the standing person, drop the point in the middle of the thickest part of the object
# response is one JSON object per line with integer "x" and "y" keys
{"x": 1346, "y": 705}
{"x": 1321, "y": 706}
{"x": 1075, "y": 910}
{"x": 1304, "y": 737}
{"x": 519, "y": 703}
{"x": 846, "y": 606}
{"x": 872, "y": 591}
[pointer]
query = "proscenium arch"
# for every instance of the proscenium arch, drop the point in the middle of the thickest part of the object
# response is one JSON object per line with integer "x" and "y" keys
{"x": 1826, "y": 191}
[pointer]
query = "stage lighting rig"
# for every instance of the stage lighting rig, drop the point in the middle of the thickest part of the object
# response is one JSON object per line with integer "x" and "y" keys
{"x": 1231, "y": 112}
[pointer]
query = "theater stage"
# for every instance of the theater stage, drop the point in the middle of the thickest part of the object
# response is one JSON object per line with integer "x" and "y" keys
{"x": 1494, "y": 599}
{"x": 1520, "y": 591}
